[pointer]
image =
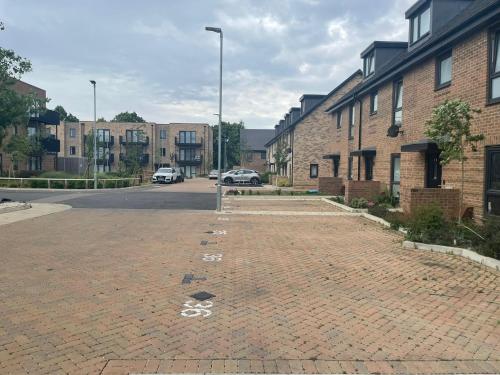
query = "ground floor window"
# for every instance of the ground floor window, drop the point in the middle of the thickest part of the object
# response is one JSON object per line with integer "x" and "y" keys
{"x": 493, "y": 180}
{"x": 395, "y": 174}
{"x": 189, "y": 171}
{"x": 313, "y": 171}
{"x": 35, "y": 163}
{"x": 369, "y": 168}
{"x": 72, "y": 150}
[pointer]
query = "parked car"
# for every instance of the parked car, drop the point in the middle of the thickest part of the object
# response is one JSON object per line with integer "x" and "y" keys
{"x": 213, "y": 175}
{"x": 180, "y": 175}
{"x": 165, "y": 176}
{"x": 241, "y": 176}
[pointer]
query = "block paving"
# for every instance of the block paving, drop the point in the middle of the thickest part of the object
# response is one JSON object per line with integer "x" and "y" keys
{"x": 100, "y": 292}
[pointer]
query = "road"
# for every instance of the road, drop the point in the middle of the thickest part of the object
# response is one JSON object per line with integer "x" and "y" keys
{"x": 196, "y": 194}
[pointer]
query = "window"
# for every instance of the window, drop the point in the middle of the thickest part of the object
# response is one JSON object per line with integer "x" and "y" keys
{"x": 398, "y": 104}
{"x": 187, "y": 154}
{"x": 395, "y": 174}
{"x": 31, "y": 132}
{"x": 103, "y": 135}
{"x": 134, "y": 135}
{"x": 336, "y": 163}
{"x": 443, "y": 70}
{"x": 369, "y": 168}
{"x": 494, "y": 82}
{"x": 163, "y": 151}
{"x": 313, "y": 171}
{"x": 163, "y": 133}
{"x": 72, "y": 132}
{"x": 35, "y": 163}
{"x": 249, "y": 156}
{"x": 352, "y": 120}
{"x": 420, "y": 25}
{"x": 374, "y": 103}
{"x": 187, "y": 137}
{"x": 339, "y": 119}
{"x": 263, "y": 155}
{"x": 369, "y": 64}
{"x": 72, "y": 150}
{"x": 492, "y": 203}
{"x": 349, "y": 168}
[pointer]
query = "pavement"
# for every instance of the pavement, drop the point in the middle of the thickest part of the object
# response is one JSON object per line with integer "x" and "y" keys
{"x": 113, "y": 291}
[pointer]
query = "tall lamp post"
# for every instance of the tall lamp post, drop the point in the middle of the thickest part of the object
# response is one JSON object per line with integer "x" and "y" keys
{"x": 218, "y": 30}
{"x": 95, "y": 138}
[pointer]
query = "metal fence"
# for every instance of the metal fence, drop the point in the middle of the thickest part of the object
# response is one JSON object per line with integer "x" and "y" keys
{"x": 72, "y": 165}
{"x": 68, "y": 183}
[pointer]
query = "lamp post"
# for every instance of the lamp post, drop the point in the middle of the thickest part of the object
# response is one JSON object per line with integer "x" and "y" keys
{"x": 218, "y": 30}
{"x": 95, "y": 137}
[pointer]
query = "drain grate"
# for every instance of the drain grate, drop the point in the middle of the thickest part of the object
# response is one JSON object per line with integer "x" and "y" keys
{"x": 202, "y": 296}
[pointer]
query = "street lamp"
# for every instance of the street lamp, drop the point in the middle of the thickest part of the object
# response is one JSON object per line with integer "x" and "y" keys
{"x": 218, "y": 30}
{"x": 95, "y": 138}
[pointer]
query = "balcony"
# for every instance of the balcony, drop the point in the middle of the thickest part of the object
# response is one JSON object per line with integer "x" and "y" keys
{"x": 143, "y": 159}
{"x": 51, "y": 145}
{"x": 109, "y": 142}
{"x": 125, "y": 141}
{"x": 197, "y": 160}
{"x": 183, "y": 143}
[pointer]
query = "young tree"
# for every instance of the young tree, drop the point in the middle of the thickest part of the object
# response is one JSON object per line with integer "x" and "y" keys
{"x": 101, "y": 119}
{"x": 280, "y": 156}
{"x": 230, "y": 131}
{"x": 71, "y": 118}
{"x": 65, "y": 116}
{"x": 89, "y": 152}
{"x": 450, "y": 128}
{"x": 128, "y": 117}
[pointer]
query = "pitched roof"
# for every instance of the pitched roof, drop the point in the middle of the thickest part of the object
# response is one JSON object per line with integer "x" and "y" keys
{"x": 472, "y": 17}
{"x": 255, "y": 139}
{"x": 304, "y": 115}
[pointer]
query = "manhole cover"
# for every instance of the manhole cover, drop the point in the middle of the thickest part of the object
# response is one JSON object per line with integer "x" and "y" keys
{"x": 188, "y": 277}
{"x": 204, "y": 243}
{"x": 202, "y": 296}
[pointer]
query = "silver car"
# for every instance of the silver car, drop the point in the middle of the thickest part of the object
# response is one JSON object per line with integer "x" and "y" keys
{"x": 213, "y": 175}
{"x": 241, "y": 176}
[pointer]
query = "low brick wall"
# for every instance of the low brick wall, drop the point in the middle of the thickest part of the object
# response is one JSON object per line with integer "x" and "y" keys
{"x": 447, "y": 199}
{"x": 361, "y": 189}
{"x": 331, "y": 185}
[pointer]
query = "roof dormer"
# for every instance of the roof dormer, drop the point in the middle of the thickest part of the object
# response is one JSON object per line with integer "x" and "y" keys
{"x": 378, "y": 54}
{"x": 428, "y": 16}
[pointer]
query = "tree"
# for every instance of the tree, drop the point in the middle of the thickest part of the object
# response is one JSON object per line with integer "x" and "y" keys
{"x": 128, "y": 117}
{"x": 101, "y": 119}
{"x": 280, "y": 156}
{"x": 230, "y": 131}
{"x": 65, "y": 116}
{"x": 14, "y": 108}
{"x": 450, "y": 128}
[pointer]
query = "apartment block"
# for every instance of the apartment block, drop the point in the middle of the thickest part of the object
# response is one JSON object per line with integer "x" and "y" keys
{"x": 184, "y": 145}
{"x": 38, "y": 127}
{"x": 376, "y": 137}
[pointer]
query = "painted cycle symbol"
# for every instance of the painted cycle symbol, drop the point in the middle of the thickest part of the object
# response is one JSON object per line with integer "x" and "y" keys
{"x": 212, "y": 257}
{"x": 200, "y": 309}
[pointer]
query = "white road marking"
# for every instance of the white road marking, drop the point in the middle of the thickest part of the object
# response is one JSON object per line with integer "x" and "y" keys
{"x": 212, "y": 257}
{"x": 200, "y": 309}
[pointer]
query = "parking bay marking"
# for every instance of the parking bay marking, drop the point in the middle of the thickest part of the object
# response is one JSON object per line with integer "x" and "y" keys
{"x": 212, "y": 257}
{"x": 200, "y": 309}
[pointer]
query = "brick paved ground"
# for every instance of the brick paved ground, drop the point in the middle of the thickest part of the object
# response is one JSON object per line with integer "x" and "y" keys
{"x": 100, "y": 291}
{"x": 249, "y": 204}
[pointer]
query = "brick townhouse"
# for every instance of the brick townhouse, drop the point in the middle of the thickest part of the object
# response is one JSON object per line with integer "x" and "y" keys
{"x": 184, "y": 145}
{"x": 309, "y": 136}
{"x": 374, "y": 137}
{"x": 452, "y": 52}
{"x": 252, "y": 149}
{"x": 37, "y": 126}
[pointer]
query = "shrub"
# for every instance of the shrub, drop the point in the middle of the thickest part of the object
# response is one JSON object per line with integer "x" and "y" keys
{"x": 43, "y": 184}
{"x": 282, "y": 182}
{"x": 428, "y": 224}
{"x": 265, "y": 177}
{"x": 339, "y": 199}
{"x": 396, "y": 219}
{"x": 387, "y": 199}
{"x": 378, "y": 210}
{"x": 359, "y": 203}
{"x": 278, "y": 191}
{"x": 490, "y": 246}
{"x": 250, "y": 192}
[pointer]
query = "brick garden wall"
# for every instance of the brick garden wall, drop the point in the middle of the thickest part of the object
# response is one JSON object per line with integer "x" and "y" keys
{"x": 447, "y": 199}
{"x": 361, "y": 189}
{"x": 331, "y": 185}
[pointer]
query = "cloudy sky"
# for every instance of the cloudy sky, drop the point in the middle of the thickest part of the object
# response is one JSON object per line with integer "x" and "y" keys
{"x": 154, "y": 57}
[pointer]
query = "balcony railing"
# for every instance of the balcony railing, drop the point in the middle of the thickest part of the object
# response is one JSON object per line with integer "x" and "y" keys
{"x": 197, "y": 160}
{"x": 51, "y": 145}
{"x": 183, "y": 143}
{"x": 124, "y": 141}
{"x": 143, "y": 159}
{"x": 102, "y": 142}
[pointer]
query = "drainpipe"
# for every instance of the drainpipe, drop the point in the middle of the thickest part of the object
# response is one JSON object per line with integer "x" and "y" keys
{"x": 359, "y": 134}
{"x": 292, "y": 137}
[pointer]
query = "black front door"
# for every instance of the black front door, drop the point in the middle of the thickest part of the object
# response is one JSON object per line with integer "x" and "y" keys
{"x": 433, "y": 170}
